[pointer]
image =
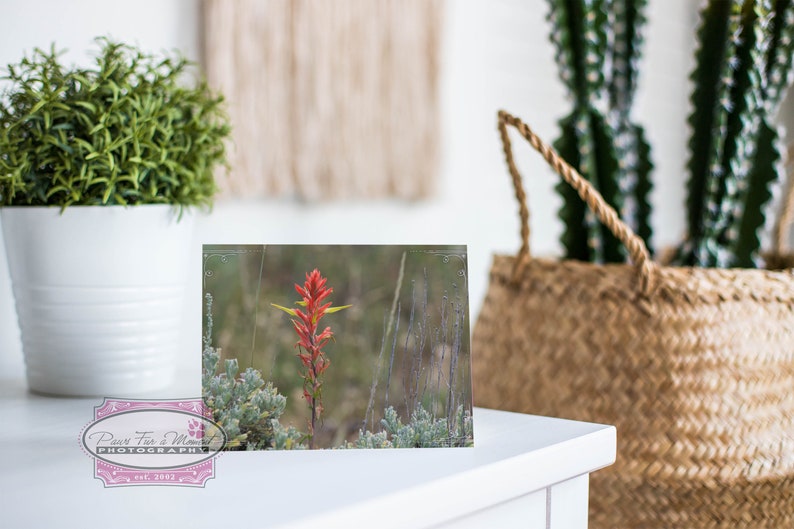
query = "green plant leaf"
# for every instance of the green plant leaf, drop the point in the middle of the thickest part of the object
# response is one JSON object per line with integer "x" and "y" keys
{"x": 78, "y": 131}
{"x": 331, "y": 310}
{"x": 291, "y": 312}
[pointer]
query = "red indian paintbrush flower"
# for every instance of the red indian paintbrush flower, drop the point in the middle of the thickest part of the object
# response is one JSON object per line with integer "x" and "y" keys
{"x": 310, "y": 344}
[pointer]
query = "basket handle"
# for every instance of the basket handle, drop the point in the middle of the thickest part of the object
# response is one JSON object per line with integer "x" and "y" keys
{"x": 644, "y": 266}
{"x": 780, "y": 236}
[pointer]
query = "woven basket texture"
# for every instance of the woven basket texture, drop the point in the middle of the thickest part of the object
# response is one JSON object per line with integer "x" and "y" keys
{"x": 694, "y": 366}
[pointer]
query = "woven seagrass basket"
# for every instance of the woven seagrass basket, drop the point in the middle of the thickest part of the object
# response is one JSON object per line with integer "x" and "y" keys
{"x": 694, "y": 366}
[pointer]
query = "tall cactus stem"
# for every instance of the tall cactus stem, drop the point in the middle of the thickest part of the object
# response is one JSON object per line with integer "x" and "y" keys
{"x": 597, "y": 43}
{"x": 712, "y": 78}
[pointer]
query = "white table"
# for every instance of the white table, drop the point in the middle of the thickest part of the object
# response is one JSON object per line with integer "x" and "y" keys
{"x": 525, "y": 471}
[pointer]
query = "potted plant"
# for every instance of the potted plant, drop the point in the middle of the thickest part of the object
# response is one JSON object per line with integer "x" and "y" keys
{"x": 743, "y": 68}
{"x": 691, "y": 360}
{"x": 100, "y": 169}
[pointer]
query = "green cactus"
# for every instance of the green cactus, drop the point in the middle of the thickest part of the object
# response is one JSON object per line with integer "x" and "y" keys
{"x": 766, "y": 166}
{"x": 774, "y": 74}
{"x": 603, "y": 145}
{"x": 586, "y": 143}
{"x": 634, "y": 151}
{"x": 743, "y": 66}
{"x": 574, "y": 236}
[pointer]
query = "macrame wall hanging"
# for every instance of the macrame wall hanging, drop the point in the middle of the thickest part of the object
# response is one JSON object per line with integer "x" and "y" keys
{"x": 328, "y": 99}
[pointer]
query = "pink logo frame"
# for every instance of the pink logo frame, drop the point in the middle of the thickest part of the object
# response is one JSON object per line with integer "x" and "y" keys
{"x": 152, "y": 464}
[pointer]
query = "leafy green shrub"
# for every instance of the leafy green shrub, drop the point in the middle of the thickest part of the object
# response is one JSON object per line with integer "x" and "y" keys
{"x": 245, "y": 407}
{"x": 124, "y": 132}
{"x": 423, "y": 431}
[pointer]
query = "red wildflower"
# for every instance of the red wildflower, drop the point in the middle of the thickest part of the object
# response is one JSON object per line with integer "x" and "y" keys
{"x": 310, "y": 344}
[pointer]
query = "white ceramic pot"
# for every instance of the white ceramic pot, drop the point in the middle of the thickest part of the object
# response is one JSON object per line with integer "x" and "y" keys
{"x": 98, "y": 293}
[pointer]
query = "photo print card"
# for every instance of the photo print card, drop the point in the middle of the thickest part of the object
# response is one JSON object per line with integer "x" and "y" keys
{"x": 337, "y": 347}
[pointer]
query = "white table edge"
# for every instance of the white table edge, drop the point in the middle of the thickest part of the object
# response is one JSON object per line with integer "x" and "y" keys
{"x": 594, "y": 450}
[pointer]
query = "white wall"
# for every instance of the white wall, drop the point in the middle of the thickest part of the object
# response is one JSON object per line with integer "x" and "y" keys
{"x": 496, "y": 55}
